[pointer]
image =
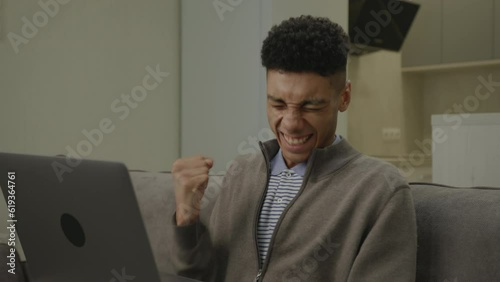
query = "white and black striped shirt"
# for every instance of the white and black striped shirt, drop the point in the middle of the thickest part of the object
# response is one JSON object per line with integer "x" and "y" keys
{"x": 283, "y": 186}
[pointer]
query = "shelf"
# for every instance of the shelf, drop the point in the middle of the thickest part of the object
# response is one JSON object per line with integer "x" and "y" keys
{"x": 448, "y": 67}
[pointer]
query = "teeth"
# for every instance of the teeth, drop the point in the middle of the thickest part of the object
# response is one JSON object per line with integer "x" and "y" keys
{"x": 295, "y": 141}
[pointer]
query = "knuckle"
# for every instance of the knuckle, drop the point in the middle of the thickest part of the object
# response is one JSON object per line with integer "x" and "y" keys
{"x": 204, "y": 178}
{"x": 177, "y": 165}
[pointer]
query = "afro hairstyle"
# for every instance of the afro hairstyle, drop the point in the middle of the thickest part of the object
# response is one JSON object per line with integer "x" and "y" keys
{"x": 306, "y": 44}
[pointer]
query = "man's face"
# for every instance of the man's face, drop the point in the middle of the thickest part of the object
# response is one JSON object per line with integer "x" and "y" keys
{"x": 302, "y": 111}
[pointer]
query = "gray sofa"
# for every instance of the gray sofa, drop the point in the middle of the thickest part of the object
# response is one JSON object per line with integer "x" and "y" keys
{"x": 458, "y": 228}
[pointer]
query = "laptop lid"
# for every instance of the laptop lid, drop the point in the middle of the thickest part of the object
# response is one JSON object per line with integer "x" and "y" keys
{"x": 80, "y": 225}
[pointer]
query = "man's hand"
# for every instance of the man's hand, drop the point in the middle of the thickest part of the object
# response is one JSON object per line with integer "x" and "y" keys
{"x": 190, "y": 180}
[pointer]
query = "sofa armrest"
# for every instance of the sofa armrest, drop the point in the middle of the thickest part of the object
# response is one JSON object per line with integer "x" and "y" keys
{"x": 458, "y": 232}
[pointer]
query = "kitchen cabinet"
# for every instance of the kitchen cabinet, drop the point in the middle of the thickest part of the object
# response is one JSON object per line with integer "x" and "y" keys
{"x": 423, "y": 43}
{"x": 453, "y": 31}
{"x": 467, "y": 30}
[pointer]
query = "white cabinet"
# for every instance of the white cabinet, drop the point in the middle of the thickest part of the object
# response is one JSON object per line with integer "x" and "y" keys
{"x": 466, "y": 149}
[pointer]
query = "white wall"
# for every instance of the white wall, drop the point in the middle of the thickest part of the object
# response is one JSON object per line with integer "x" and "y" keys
{"x": 223, "y": 82}
{"x": 455, "y": 90}
{"x": 65, "y": 79}
{"x": 222, "y": 79}
{"x": 382, "y": 97}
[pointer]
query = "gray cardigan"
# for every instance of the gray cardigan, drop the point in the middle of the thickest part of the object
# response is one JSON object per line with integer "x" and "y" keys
{"x": 353, "y": 220}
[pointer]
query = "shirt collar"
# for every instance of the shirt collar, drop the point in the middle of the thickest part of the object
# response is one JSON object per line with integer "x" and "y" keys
{"x": 278, "y": 163}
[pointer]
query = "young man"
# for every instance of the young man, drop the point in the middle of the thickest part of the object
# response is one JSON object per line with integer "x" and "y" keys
{"x": 309, "y": 207}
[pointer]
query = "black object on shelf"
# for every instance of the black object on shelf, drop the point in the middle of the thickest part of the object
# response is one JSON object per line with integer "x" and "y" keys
{"x": 379, "y": 24}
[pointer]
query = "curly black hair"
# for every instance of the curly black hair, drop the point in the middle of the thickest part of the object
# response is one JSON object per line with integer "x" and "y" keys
{"x": 306, "y": 44}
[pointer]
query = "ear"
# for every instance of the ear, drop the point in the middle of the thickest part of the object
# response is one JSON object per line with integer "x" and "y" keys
{"x": 345, "y": 97}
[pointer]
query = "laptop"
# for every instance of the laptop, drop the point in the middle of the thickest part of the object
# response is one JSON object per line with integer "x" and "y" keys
{"x": 78, "y": 223}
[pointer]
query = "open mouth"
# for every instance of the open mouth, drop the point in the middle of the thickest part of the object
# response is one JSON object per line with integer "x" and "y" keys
{"x": 296, "y": 140}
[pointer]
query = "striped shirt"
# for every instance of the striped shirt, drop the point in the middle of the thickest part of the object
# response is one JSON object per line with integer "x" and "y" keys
{"x": 283, "y": 186}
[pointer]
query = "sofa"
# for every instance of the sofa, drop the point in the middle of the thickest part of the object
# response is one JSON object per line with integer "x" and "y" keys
{"x": 458, "y": 228}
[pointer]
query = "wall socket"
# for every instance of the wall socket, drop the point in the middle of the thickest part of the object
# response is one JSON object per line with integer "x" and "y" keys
{"x": 391, "y": 133}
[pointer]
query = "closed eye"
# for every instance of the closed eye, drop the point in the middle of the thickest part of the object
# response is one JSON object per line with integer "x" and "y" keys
{"x": 308, "y": 105}
{"x": 313, "y": 106}
{"x": 309, "y": 109}
{"x": 278, "y": 106}
{"x": 276, "y": 103}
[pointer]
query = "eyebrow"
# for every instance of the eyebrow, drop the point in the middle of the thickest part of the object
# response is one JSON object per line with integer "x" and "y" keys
{"x": 311, "y": 101}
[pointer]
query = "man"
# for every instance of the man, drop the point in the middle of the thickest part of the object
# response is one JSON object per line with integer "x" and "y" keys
{"x": 309, "y": 207}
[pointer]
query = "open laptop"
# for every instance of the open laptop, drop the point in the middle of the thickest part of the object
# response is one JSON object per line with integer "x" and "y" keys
{"x": 81, "y": 223}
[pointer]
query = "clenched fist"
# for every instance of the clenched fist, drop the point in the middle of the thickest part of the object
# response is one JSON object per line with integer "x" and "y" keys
{"x": 190, "y": 180}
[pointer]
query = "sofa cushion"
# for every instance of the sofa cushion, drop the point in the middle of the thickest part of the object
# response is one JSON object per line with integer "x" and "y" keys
{"x": 458, "y": 228}
{"x": 458, "y": 233}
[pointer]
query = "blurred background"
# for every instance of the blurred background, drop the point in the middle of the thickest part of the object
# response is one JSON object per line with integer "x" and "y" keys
{"x": 146, "y": 82}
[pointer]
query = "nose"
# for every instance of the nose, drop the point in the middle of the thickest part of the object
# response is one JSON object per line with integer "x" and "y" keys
{"x": 292, "y": 120}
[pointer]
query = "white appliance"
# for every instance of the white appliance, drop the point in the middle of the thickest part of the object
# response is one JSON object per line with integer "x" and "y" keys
{"x": 466, "y": 149}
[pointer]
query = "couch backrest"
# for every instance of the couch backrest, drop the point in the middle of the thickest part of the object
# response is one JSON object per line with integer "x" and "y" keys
{"x": 458, "y": 233}
{"x": 458, "y": 229}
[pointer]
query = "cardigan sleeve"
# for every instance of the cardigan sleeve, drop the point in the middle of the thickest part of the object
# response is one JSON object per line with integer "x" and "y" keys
{"x": 191, "y": 251}
{"x": 389, "y": 251}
